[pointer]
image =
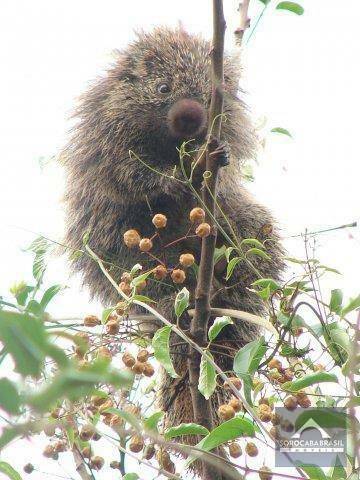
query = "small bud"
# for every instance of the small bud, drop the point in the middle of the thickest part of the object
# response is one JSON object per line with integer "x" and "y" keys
{"x": 86, "y": 452}
{"x": 236, "y": 404}
{"x": 145, "y": 244}
{"x": 143, "y": 356}
{"x": 197, "y": 215}
{"x": 178, "y": 276}
{"x": 136, "y": 444}
{"x": 91, "y": 321}
{"x": 115, "y": 465}
{"x": 148, "y": 369}
{"x": 164, "y": 459}
{"x": 159, "y": 220}
{"x": 96, "y": 462}
{"x": 251, "y": 449}
{"x": 141, "y": 286}
{"x": 234, "y": 381}
{"x": 275, "y": 419}
{"x": 149, "y": 451}
{"x": 128, "y": 360}
{"x": 131, "y": 238}
{"x": 187, "y": 259}
{"x": 121, "y": 308}
{"x": 275, "y": 363}
{"x": 203, "y": 230}
{"x": 116, "y": 420}
{"x": 28, "y": 468}
{"x": 104, "y": 352}
{"x": 288, "y": 375}
{"x": 87, "y": 432}
{"x": 160, "y": 272}
{"x": 48, "y": 451}
{"x": 235, "y": 450}
{"x": 226, "y": 412}
{"x": 265, "y": 473}
{"x": 112, "y": 327}
{"x": 274, "y": 433}
{"x": 304, "y": 401}
{"x": 138, "y": 368}
{"x": 60, "y": 446}
{"x": 126, "y": 277}
{"x": 290, "y": 403}
{"x": 125, "y": 288}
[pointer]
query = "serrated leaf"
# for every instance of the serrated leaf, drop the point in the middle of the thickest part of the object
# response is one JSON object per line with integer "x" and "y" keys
{"x": 207, "y": 378}
{"x": 258, "y": 252}
{"x": 231, "y": 265}
{"x": 181, "y": 302}
{"x": 151, "y": 423}
{"x": 307, "y": 380}
{"x": 160, "y": 344}
{"x": 8, "y": 470}
{"x": 281, "y": 130}
{"x": 291, "y": 7}
{"x": 227, "y": 431}
{"x": 185, "y": 429}
{"x": 9, "y": 397}
{"x": 49, "y": 295}
{"x": 252, "y": 241}
{"x": 246, "y": 363}
{"x": 218, "y": 325}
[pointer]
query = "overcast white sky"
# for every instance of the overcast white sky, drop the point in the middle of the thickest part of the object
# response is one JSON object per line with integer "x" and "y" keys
{"x": 302, "y": 73}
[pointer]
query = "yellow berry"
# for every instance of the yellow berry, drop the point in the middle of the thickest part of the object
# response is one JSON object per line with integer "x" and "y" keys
{"x": 226, "y": 412}
{"x": 138, "y": 368}
{"x": 234, "y": 381}
{"x": 86, "y": 452}
{"x": 145, "y": 244}
{"x": 203, "y": 230}
{"x": 48, "y": 451}
{"x": 148, "y": 369}
{"x": 275, "y": 363}
{"x": 136, "y": 444}
{"x": 128, "y": 359}
{"x": 159, "y": 220}
{"x": 265, "y": 473}
{"x": 187, "y": 259}
{"x": 87, "y": 432}
{"x": 115, "y": 465}
{"x": 125, "y": 288}
{"x": 97, "y": 462}
{"x": 143, "y": 356}
{"x": 251, "y": 449}
{"x": 104, "y": 352}
{"x": 178, "y": 276}
{"x": 235, "y": 450}
{"x": 121, "y": 308}
{"x": 149, "y": 451}
{"x": 91, "y": 321}
{"x": 126, "y": 277}
{"x": 131, "y": 238}
{"x": 160, "y": 272}
{"x": 112, "y": 327}
{"x": 197, "y": 215}
{"x": 236, "y": 404}
{"x": 290, "y": 403}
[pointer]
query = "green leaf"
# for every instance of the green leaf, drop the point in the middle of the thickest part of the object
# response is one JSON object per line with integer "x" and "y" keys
{"x": 40, "y": 247}
{"x": 336, "y": 300}
{"x": 9, "y": 397}
{"x": 141, "y": 278}
{"x": 325, "y": 418}
{"x": 128, "y": 417}
{"x": 49, "y": 295}
{"x": 258, "y": 252}
{"x": 246, "y": 363}
{"x": 106, "y": 314}
{"x": 353, "y": 304}
{"x": 291, "y": 7}
{"x": 252, "y": 241}
{"x": 131, "y": 476}
{"x": 231, "y": 265}
{"x": 160, "y": 344}
{"x": 185, "y": 429}
{"x": 25, "y": 339}
{"x": 227, "y": 431}
{"x": 219, "y": 253}
{"x": 151, "y": 423}
{"x": 228, "y": 252}
{"x": 313, "y": 471}
{"x": 307, "y": 380}
{"x": 74, "y": 384}
{"x": 181, "y": 302}
{"x": 22, "y": 294}
{"x": 207, "y": 379}
{"x": 338, "y": 342}
{"x": 9, "y": 471}
{"x": 282, "y": 131}
{"x": 267, "y": 282}
{"x": 218, "y": 325}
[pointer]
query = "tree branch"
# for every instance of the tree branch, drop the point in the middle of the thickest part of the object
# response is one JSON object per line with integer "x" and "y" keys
{"x": 244, "y": 22}
{"x": 199, "y": 325}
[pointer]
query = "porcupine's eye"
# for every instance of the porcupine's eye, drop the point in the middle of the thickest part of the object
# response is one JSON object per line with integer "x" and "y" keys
{"x": 163, "y": 88}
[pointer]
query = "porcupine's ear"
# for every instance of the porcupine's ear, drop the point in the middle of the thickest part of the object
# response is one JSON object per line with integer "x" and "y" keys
{"x": 124, "y": 66}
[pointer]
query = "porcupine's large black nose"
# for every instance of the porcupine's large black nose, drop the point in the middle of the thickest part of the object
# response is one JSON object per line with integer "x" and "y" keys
{"x": 186, "y": 118}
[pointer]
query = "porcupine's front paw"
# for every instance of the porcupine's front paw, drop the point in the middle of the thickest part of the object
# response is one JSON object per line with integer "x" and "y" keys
{"x": 220, "y": 150}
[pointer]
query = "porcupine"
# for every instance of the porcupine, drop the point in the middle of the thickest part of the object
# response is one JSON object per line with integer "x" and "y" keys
{"x": 154, "y": 97}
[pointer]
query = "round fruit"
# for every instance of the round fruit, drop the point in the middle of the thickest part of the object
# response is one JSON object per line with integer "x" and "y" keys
{"x": 159, "y": 220}
{"x": 131, "y": 238}
{"x": 203, "y": 230}
{"x": 197, "y": 215}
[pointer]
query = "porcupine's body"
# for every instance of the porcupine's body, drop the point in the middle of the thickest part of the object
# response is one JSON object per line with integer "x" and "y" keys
{"x": 153, "y": 98}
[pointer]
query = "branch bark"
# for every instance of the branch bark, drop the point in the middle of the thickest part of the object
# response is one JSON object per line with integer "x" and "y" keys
{"x": 244, "y": 22}
{"x": 202, "y": 408}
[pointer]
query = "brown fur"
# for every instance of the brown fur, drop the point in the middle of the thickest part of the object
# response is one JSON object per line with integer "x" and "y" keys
{"x": 108, "y": 191}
